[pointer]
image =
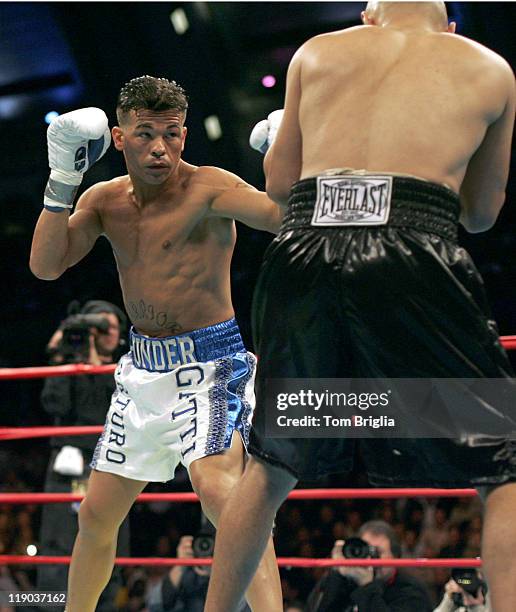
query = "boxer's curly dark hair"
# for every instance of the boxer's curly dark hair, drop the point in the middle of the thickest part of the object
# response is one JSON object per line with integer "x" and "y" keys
{"x": 150, "y": 93}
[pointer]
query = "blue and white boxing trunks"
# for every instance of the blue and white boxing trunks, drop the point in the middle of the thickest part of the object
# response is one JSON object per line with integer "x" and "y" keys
{"x": 177, "y": 399}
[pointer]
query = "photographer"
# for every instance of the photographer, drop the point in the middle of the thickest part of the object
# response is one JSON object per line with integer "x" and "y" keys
{"x": 368, "y": 589}
{"x": 466, "y": 591}
{"x": 93, "y": 336}
{"x": 184, "y": 588}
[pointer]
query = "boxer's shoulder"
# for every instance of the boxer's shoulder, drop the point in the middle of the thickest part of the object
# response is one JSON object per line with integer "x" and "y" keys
{"x": 214, "y": 180}
{"x": 213, "y": 175}
{"x": 327, "y": 40}
{"x": 481, "y": 71}
{"x": 103, "y": 193}
{"x": 476, "y": 50}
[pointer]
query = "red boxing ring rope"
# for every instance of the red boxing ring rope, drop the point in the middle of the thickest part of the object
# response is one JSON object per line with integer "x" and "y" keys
{"x": 508, "y": 342}
{"x": 62, "y": 370}
{"x": 18, "y": 433}
{"x": 282, "y": 562}
{"x": 58, "y": 498}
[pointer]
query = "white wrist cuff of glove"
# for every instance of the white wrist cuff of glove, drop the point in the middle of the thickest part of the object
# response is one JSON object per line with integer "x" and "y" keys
{"x": 68, "y": 177}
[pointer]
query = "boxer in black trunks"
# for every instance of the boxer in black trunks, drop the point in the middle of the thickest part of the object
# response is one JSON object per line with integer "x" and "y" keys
{"x": 431, "y": 113}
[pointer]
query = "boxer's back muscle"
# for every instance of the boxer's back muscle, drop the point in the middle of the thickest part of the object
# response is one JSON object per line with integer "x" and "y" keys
{"x": 416, "y": 103}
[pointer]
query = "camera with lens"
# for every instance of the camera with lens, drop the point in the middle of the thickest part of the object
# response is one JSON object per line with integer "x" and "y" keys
{"x": 356, "y": 548}
{"x": 469, "y": 580}
{"x": 203, "y": 545}
{"x": 75, "y": 344}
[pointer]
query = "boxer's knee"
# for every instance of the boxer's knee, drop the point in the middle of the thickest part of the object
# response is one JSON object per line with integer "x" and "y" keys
{"x": 97, "y": 523}
{"x": 213, "y": 486}
{"x": 271, "y": 482}
{"x": 213, "y": 477}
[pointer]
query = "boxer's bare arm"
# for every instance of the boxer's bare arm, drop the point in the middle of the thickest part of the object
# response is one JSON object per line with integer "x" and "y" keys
{"x": 61, "y": 240}
{"x": 282, "y": 163}
{"x": 236, "y": 199}
{"x": 246, "y": 204}
{"x": 482, "y": 192}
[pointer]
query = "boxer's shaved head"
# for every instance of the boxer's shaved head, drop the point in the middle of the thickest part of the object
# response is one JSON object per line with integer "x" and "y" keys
{"x": 150, "y": 93}
{"x": 435, "y": 10}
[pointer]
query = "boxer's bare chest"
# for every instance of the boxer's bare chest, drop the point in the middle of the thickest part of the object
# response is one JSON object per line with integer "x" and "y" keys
{"x": 159, "y": 230}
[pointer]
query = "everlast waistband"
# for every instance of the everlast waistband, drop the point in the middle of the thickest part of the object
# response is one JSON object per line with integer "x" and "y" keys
{"x": 200, "y": 345}
{"x": 372, "y": 200}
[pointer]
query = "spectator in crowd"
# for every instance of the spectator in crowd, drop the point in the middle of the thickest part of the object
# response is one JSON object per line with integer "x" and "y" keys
{"x": 456, "y": 599}
{"x": 371, "y": 590}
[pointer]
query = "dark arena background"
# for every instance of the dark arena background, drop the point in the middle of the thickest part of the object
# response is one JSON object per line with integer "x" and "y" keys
{"x": 231, "y": 57}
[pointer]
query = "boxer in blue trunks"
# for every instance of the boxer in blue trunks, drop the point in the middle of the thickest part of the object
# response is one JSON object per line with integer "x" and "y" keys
{"x": 393, "y": 132}
{"x": 184, "y": 394}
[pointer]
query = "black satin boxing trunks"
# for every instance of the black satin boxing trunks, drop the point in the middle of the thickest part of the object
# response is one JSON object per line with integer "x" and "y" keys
{"x": 339, "y": 298}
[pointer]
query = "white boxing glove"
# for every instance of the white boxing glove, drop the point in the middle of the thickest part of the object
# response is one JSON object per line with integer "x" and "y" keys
{"x": 265, "y": 131}
{"x": 76, "y": 140}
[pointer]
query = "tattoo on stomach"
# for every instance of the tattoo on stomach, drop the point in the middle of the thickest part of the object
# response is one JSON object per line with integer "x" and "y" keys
{"x": 141, "y": 311}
